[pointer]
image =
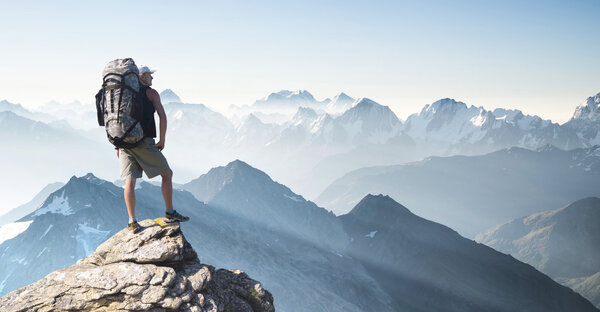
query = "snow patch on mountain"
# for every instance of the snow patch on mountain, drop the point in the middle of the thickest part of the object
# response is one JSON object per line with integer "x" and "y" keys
{"x": 47, "y": 230}
{"x": 371, "y": 234}
{"x": 41, "y": 252}
{"x": 93, "y": 179}
{"x": 11, "y": 230}
{"x": 294, "y": 198}
{"x": 58, "y": 205}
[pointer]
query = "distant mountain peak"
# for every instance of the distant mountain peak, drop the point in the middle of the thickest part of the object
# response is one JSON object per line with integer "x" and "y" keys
{"x": 367, "y": 108}
{"x": 168, "y": 96}
{"x": 8, "y": 114}
{"x": 93, "y": 179}
{"x": 589, "y": 110}
{"x": 303, "y": 115}
{"x": 5, "y": 103}
{"x": 297, "y": 94}
{"x": 379, "y": 207}
{"x": 366, "y": 103}
{"x": 340, "y": 102}
{"x": 239, "y": 164}
{"x": 445, "y": 105}
{"x": 252, "y": 119}
{"x": 286, "y": 99}
{"x": 342, "y": 97}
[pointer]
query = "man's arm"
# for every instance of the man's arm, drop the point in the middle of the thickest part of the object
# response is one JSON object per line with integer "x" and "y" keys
{"x": 155, "y": 98}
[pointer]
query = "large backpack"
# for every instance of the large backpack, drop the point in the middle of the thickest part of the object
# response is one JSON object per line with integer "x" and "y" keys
{"x": 119, "y": 105}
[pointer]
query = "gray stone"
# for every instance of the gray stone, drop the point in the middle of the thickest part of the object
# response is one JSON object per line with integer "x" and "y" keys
{"x": 153, "y": 270}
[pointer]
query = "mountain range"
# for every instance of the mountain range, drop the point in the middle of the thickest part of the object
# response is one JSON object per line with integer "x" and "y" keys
{"x": 474, "y": 193}
{"x": 310, "y": 137}
{"x": 411, "y": 256}
{"x": 75, "y": 219}
{"x": 296, "y": 249}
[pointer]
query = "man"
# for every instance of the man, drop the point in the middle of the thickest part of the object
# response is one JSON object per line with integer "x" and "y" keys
{"x": 147, "y": 156}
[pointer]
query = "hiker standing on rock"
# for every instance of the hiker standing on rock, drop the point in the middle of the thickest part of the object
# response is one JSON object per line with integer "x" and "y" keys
{"x": 126, "y": 107}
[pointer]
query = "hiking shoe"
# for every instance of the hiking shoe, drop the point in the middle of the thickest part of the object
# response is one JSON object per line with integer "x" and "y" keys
{"x": 175, "y": 217}
{"x": 134, "y": 227}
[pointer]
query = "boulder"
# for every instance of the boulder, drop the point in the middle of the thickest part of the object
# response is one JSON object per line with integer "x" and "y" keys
{"x": 155, "y": 269}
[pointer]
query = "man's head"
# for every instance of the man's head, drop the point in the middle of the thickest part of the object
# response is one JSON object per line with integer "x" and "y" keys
{"x": 146, "y": 75}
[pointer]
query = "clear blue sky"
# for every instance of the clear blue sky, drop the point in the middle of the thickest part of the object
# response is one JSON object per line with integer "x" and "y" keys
{"x": 537, "y": 56}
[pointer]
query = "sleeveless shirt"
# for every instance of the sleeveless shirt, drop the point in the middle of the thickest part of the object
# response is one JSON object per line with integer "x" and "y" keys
{"x": 147, "y": 122}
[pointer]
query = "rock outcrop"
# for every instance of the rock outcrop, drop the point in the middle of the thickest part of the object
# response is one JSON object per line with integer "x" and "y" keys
{"x": 153, "y": 270}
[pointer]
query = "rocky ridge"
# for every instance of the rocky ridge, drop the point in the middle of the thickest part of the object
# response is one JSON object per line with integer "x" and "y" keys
{"x": 153, "y": 270}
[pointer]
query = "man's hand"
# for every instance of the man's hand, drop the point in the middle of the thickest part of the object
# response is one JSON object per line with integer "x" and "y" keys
{"x": 160, "y": 145}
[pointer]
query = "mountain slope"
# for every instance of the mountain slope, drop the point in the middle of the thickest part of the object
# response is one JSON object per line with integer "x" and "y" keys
{"x": 250, "y": 193}
{"x": 562, "y": 243}
{"x": 25, "y": 209}
{"x": 589, "y": 287}
{"x": 426, "y": 266}
{"x": 474, "y": 193}
{"x": 39, "y": 154}
{"x": 23, "y": 112}
{"x": 65, "y": 229}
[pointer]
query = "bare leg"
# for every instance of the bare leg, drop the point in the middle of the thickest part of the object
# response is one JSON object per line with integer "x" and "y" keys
{"x": 167, "y": 189}
{"x": 129, "y": 195}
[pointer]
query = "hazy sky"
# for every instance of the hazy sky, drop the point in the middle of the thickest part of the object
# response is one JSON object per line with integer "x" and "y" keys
{"x": 537, "y": 56}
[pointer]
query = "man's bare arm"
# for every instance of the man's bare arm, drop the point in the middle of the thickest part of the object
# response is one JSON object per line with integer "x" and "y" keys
{"x": 155, "y": 98}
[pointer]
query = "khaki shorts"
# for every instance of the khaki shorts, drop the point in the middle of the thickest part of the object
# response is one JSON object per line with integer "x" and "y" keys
{"x": 143, "y": 157}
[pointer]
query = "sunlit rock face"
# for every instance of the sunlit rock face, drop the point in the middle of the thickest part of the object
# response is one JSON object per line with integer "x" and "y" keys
{"x": 562, "y": 243}
{"x": 586, "y": 120}
{"x": 153, "y": 270}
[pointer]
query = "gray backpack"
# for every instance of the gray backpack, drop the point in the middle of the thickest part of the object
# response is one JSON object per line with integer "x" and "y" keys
{"x": 118, "y": 103}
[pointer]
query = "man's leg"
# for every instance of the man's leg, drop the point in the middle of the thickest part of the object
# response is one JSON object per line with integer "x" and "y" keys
{"x": 167, "y": 189}
{"x": 129, "y": 194}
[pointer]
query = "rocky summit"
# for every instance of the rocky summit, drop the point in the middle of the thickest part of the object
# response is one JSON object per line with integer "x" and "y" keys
{"x": 153, "y": 270}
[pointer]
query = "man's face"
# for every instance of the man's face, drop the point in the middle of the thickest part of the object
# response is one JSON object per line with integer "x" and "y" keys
{"x": 146, "y": 79}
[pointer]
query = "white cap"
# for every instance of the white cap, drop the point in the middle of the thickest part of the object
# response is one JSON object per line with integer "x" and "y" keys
{"x": 145, "y": 69}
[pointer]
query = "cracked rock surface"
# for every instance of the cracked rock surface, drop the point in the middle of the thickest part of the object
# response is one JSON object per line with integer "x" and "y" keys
{"x": 153, "y": 270}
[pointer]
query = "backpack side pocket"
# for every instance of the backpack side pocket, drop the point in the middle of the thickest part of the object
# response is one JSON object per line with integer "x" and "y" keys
{"x": 100, "y": 106}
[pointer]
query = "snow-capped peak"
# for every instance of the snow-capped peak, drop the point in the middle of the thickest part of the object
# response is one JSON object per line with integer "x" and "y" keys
{"x": 304, "y": 116}
{"x": 367, "y": 109}
{"x": 298, "y": 94}
{"x": 340, "y": 103}
{"x": 342, "y": 97}
{"x": 589, "y": 109}
{"x": 446, "y": 105}
{"x": 365, "y": 103}
{"x": 93, "y": 179}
